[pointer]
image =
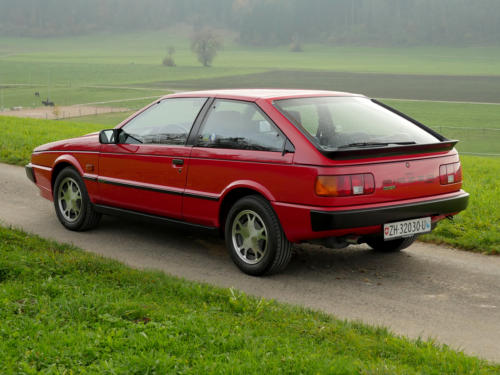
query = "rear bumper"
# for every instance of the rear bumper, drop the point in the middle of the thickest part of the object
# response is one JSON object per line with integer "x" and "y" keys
{"x": 334, "y": 220}
{"x": 30, "y": 173}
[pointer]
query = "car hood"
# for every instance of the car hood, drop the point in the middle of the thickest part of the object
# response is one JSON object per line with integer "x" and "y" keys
{"x": 88, "y": 142}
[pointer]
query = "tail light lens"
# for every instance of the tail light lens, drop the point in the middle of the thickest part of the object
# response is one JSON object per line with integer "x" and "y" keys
{"x": 450, "y": 173}
{"x": 345, "y": 185}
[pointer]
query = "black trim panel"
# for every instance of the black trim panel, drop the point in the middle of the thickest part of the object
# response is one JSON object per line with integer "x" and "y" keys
{"x": 331, "y": 220}
{"x": 115, "y": 211}
{"x": 156, "y": 190}
{"x": 88, "y": 178}
{"x": 29, "y": 173}
{"x": 191, "y": 140}
{"x": 191, "y": 195}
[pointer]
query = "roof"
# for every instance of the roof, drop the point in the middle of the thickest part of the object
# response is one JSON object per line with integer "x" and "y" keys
{"x": 254, "y": 94}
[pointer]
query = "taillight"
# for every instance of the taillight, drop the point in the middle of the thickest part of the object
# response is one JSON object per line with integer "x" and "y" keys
{"x": 450, "y": 173}
{"x": 342, "y": 186}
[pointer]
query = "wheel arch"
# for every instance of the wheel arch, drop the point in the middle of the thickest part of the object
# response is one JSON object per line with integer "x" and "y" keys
{"x": 62, "y": 162}
{"x": 232, "y": 194}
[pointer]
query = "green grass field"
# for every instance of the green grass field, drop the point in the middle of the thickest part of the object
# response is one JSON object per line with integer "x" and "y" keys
{"x": 476, "y": 126}
{"x": 67, "y": 95}
{"x": 435, "y": 114}
{"x": 64, "y": 68}
{"x": 20, "y": 136}
{"x": 150, "y": 47}
{"x": 63, "y": 310}
{"x": 379, "y": 85}
{"x": 108, "y": 119}
{"x": 476, "y": 229}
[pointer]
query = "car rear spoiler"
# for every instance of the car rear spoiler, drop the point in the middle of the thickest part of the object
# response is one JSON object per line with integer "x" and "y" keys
{"x": 378, "y": 152}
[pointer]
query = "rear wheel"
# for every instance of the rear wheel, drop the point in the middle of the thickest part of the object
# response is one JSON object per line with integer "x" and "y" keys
{"x": 392, "y": 246}
{"x": 254, "y": 237}
{"x": 71, "y": 201}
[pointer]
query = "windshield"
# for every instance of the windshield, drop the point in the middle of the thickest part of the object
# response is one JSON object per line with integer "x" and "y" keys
{"x": 349, "y": 122}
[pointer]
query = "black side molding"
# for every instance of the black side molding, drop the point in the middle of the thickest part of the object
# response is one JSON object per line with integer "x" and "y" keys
{"x": 103, "y": 180}
{"x": 29, "y": 173}
{"x": 115, "y": 211}
{"x": 330, "y": 220}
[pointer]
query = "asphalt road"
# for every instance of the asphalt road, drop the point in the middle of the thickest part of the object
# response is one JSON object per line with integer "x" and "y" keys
{"x": 425, "y": 291}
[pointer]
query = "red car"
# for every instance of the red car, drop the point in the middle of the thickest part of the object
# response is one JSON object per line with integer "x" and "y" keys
{"x": 268, "y": 168}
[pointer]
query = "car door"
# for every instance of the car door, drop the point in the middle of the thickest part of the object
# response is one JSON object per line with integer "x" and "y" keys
{"x": 237, "y": 145}
{"x": 146, "y": 171}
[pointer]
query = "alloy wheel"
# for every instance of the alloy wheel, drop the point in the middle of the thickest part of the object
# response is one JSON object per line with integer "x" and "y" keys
{"x": 249, "y": 236}
{"x": 69, "y": 199}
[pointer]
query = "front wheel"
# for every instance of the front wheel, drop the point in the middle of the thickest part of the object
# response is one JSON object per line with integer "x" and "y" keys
{"x": 392, "y": 246}
{"x": 254, "y": 237}
{"x": 73, "y": 207}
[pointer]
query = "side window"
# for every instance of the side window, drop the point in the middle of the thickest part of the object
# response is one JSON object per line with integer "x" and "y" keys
{"x": 167, "y": 122}
{"x": 239, "y": 125}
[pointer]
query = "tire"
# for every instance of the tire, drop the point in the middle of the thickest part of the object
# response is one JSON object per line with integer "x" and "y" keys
{"x": 392, "y": 246}
{"x": 71, "y": 201}
{"x": 265, "y": 250}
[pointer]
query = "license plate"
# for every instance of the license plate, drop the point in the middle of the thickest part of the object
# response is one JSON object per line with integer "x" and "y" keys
{"x": 407, "y": 228}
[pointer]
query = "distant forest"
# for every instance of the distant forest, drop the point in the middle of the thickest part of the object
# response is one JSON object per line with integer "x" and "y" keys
{"x": 268, "y": 22}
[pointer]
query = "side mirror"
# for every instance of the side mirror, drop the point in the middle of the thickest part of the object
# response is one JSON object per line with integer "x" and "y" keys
{"x": 109, "y": 136}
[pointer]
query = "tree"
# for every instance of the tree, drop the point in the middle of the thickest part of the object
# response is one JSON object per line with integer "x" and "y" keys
{"x": 296, "y": 45}
{"x": 169, "y": 59}
{"x": 205, "y": 43}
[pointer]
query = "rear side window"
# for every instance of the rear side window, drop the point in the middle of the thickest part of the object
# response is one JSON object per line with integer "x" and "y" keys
{"x": 239, "y": 125}
{"x": 167, "y": 122}
{"x": 341, "y": 122}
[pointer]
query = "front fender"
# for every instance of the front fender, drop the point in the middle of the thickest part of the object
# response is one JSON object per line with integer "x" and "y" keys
{"x": 90, "y": 179}
{"x": 67, "y": 159}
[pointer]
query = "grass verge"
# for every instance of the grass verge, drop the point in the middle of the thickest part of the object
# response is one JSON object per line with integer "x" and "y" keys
{"x": 64, "y": 310}
{"x": 477, "y": 228}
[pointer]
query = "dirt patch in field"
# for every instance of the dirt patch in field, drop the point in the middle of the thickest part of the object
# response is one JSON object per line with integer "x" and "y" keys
{"x": 61, "y": 112}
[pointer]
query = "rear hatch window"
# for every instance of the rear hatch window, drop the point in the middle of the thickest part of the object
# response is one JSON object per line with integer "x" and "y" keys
{"x": 347, "y": 123}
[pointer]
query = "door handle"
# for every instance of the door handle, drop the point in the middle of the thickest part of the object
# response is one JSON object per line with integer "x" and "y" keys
{"x": 178, "y": 162}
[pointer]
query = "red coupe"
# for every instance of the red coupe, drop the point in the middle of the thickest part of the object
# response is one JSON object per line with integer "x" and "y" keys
{"x": 268, "y": 168}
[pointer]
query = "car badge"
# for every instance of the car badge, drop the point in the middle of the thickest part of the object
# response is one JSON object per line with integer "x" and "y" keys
{"x": 388, "y": 185}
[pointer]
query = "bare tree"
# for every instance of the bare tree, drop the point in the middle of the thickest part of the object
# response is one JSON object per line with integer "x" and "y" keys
{"x": 205, "y": 43}
{"x": 296, "y": 45}
{"x": 169, "y": 59}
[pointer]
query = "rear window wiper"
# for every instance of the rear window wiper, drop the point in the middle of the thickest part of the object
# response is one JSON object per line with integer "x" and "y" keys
{"x": 376, "y": 144}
